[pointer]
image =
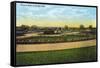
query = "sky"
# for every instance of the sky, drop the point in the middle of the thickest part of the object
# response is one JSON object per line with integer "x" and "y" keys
{"x": 54, "y": 15}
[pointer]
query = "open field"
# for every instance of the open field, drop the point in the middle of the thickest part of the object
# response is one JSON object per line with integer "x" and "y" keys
{"x": 54, "y": 46}
{"x": 57, "y": 56}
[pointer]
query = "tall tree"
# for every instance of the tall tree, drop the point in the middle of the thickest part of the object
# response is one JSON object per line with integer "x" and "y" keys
{"x": 66, "y": 26}
{"x": 82, "y": 27}
{"x": 90, "y": 27}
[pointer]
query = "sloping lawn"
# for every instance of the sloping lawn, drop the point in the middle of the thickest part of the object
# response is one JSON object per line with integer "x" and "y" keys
{"x": 61, "y": 56}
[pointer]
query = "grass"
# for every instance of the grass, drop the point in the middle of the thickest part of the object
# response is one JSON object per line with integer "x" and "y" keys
{"x": 60, "y": 56}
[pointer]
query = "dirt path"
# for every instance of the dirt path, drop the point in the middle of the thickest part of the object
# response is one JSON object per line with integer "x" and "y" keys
{"x": 54, "y": 46}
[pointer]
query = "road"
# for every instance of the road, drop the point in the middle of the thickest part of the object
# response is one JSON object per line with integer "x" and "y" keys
{"x": 54, "y": 46}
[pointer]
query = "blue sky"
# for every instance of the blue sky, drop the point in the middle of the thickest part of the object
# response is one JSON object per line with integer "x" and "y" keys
{"x": 50, "y": 14}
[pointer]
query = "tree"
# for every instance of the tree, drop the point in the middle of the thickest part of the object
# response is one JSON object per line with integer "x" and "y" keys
{"x": 66, "y": 27}
{"x": 82, "y": 27}
{"x": 33, "y": 27}
{"x": 90, "y": 27}
{"x": 24, "y": 26}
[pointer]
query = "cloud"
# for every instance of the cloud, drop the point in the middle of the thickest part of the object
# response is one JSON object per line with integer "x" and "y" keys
{"x": 55, "y": 13}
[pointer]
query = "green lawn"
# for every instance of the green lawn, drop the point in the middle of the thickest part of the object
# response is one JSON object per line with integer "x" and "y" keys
{"x": 61, "y": 56}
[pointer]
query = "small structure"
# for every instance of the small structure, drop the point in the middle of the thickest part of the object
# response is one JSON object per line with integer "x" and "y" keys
{"x": 51, "y": 31}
